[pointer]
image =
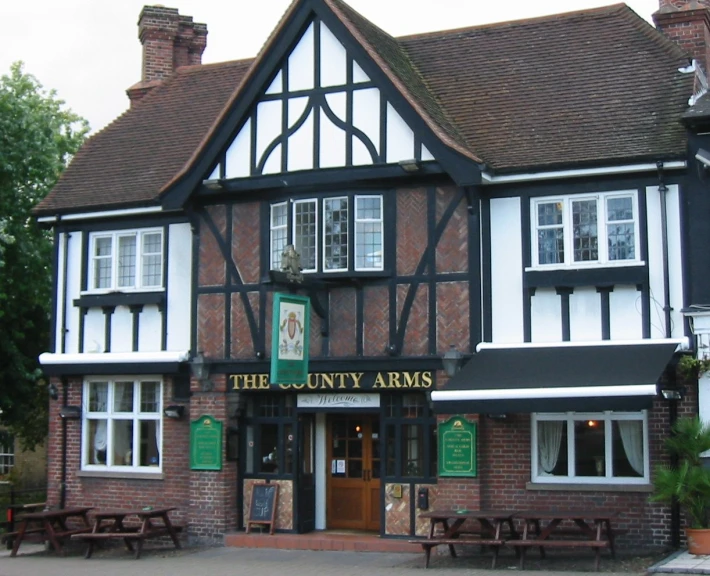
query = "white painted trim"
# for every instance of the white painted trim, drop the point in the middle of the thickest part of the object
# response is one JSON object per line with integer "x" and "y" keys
{"x": 543, "y": 393}
{"x": 682, "y": 343}
{"x": 556, "y": 174}
{"x": 114, "y": 357}
{"x": 103, "y": 214}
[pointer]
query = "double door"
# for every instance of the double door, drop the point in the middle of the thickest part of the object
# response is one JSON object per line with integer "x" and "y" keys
{"x": 353, "y": 490}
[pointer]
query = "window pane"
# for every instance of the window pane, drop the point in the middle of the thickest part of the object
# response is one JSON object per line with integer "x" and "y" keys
{"x": 413, "y": 450}
{"x": 589, "y": 439}
{"x": 97, "y": 442}
{"x": 368, "y": 232}
{"x": 620, "y": 228}
{"x": 279, "y": 233}
{"x": 123, "y": 397}
{"x": 413, "y": 406}
{"x": 620, "y": 209}
{"x": 369, "y": 208}
{"x": 550, "y": 233}
{"x": 7, "y": 452}
{"x": 288, "y": 443}
{"x": 584, "y": 230}
{"x": 98, "y": 396}
{"x": 390, "y": 468}
{"x": 102, "y": 263}
{"x": 268, "y": 459}
{"x": 126, "y": 261}
{"x": 122, "y": 443}
{"x": 150, "y": 397}
{"x": 335, "y": 231}
{"x": 627, "y": 448}
{"x": 148, "y": 444}
{"x": 552, "y": 448}
{"x": 152, "y": 268}
{"x": 305, "y": 233}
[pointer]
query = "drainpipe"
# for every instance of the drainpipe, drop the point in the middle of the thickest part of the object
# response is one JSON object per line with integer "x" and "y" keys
{"x": 671, "y": 374}
{"x": 63, "y": 483}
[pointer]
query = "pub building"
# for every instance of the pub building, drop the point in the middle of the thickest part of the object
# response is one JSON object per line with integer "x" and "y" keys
{"x": 487, "y": 243}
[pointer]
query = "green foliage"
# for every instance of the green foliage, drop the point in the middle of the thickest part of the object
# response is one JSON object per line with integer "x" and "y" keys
{"x": 38, "y": 138}
{"x": 692, "y": 367}
{"x": 689, "y": 480}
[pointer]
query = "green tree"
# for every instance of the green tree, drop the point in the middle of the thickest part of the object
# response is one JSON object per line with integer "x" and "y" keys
{"x": 38, "y": 137}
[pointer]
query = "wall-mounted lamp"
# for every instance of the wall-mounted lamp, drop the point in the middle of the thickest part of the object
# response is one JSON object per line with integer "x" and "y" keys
{"x": 215, "y": 185}
{"x": 53, "y": 392}
{"x": 200, "y": 370}
{"x": 452, "y": 361}
{"x": 174, "y": 411}
{"x": 70, "y": 412}
{"x": 673, "y": 393}
{"x": 410, "y": 165}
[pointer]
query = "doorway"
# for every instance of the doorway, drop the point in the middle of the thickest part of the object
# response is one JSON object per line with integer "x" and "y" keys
{"x": 353, "y": 471}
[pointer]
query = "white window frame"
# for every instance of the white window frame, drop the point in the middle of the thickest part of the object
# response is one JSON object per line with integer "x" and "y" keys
{"x": 568, "y": 235}
{"x": 607, "y": 418}
{"x": 115, "y": 237}
{"x": 365, "y": 221}
{"x": 7, "y": 452}
{"x": 316, "y": 246}
{"x": 276, "y": 232}
{"x": 110, "y": 415}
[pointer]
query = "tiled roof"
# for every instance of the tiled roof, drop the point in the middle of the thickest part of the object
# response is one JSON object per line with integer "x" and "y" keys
{"x": 596, "y": 87}
{"x": 588, "y": 87}
{"x": 128, "y": 162}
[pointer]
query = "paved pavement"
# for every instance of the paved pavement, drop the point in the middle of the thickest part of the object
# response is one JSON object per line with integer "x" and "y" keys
{"x": 235, "y": 561}
{"x": 682, "y": 563}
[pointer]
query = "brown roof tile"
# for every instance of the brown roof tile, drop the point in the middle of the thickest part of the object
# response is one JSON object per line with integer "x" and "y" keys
{"x": 594, "y": 86}
{"x": 129, "y": 161}
{"x": 590, "y": 87}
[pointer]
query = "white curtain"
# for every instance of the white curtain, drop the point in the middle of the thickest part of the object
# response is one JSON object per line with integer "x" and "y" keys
{"x": 549, "y": 439}
{"x": 100, "y": 436}
{"x": 157, "y": 422}
{"x": 631, "y": 432}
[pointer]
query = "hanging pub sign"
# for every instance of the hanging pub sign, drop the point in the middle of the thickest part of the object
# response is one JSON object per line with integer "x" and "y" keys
{"x": 457, "y": 447}
{"x": 205, "y": 444}
{"x": 289, "y": 339}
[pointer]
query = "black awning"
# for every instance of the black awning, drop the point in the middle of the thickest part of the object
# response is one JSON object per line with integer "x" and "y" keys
{"x": 557, "y": 377}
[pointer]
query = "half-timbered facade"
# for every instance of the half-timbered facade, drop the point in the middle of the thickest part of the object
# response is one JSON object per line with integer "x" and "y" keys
{"x": 480, "y": 196}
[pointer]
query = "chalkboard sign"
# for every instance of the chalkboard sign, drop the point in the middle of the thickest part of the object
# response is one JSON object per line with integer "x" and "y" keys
{"x": 262, "y": 507}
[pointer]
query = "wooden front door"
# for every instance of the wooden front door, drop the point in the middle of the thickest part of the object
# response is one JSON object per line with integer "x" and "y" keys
{"x": 354, "y": 472}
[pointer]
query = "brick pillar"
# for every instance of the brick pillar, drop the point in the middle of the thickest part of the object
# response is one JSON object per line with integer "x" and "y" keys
{"x": 688, "y": 25}
{"x": 213, "y": 494}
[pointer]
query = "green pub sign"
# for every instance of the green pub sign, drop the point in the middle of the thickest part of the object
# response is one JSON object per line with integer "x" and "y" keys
{"x": 205, "y": 444}
{"x": 457, "y": 447}
{"x": 289, "y": 339}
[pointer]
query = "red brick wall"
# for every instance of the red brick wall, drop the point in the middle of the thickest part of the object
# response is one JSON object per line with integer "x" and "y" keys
{"x": 112, "y": 492}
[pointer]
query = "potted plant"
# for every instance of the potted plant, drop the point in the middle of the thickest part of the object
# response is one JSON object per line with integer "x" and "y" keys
{"x": 687, "y": 480}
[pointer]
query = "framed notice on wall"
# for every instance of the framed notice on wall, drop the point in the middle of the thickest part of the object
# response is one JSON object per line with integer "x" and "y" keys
{"x": 457, "y": 447}
{"x": 205, "y": 444}
{"x": 289, "y": 339}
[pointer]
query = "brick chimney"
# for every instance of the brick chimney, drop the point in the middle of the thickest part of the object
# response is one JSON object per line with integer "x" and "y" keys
{"x": 169, "y": 41}
{"x": 687, "y": 24}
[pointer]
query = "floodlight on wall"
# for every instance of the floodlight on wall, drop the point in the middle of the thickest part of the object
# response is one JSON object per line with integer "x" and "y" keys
{"x": 174, "y": 411}
{"x": 200, "y": 370}
{"x": 703, "y": 156}
{"x": 452, "y": 361}
{"x": 410, "y": 166}
{"x": 53, "y": 392}
{"x": 70, "y": 412}
{"x": 673, "y": 393}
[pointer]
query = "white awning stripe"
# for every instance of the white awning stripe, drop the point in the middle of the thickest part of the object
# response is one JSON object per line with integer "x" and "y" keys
{"x": 682, "y": 343}
{"x": 93, "y": 358}
{"x": 541, "y": 393}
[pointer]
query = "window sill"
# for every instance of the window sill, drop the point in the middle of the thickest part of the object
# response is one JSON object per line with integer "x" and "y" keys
{"x": 588, "y": 276}
{"x": 122, "y": 475}
{"x": 120, "y": 299}
{"x": 580, "y": 266}
{"x": 571, "y": 486}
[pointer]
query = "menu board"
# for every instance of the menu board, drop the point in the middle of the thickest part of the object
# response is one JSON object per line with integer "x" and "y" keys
{"x": 457, "y": 447}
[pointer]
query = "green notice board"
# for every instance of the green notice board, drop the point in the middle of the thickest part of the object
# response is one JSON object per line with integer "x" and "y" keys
{"x": 205, "y": 444}
{"x": 457, "y": 447}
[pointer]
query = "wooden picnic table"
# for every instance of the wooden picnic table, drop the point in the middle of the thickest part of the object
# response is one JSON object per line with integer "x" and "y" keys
{"x": 110, "y": 525}
{"x": 51, "y": 525}
{"x": 448, "y": 527}
{"x": 14, "y": 510}
{"x": 544, "y": 529}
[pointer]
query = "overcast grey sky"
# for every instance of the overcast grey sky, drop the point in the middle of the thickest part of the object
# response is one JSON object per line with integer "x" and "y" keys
{"x": 88, "y": 50}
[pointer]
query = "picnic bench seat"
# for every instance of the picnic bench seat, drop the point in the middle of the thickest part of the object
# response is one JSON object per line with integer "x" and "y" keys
{"x": 428, "y": 543}
{"x": 547, "y": 543}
